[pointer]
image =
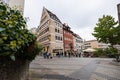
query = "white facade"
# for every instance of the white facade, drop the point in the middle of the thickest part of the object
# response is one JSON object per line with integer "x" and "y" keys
{"x": 78, "y": 43}
{"x": 33, "y": 30}
{"x": 50, "y": 32}
{"x": 6, "y": 1}
{"x": 19, "y": 4}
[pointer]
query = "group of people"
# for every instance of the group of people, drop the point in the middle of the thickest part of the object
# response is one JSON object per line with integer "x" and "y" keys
{"x": 72, "y": 53}
{"x": 47, "y": 55}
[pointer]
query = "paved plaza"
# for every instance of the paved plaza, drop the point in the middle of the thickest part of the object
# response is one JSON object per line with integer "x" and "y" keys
{"x": 74, "y": 69}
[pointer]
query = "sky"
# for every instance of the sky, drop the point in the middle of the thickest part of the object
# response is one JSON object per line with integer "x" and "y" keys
{"x": 80, "y": 15}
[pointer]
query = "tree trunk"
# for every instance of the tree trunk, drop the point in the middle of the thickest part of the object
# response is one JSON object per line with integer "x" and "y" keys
{"x": 14, "y": 70}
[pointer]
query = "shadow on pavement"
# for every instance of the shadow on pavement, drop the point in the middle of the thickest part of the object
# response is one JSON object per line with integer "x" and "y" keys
{"x": 36, "y": 76}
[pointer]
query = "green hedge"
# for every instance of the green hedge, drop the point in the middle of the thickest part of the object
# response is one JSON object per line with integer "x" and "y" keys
{"x": 15, "y": 40}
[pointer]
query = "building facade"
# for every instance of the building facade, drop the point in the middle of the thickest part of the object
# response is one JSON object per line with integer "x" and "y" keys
{"x": 55, "y": 36}
{"x": 18, "y": 4}
{"x": 78, "y": 44}
{"x": 95, "y": 44}
{"x": 68, "y": 38}
{"x": 50, "y": 32}
{"x": 118, "y": 8}
{"x": 33, "y": 30}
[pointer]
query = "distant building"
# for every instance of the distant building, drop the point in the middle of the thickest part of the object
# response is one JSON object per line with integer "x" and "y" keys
{"x": 50, "y": 32}
{"x": 55, "y": 36}
{"x": 33, "y": 30}
{"x": 118, "y": 8}
{"x": 6, "y": 1}
{"x": 67, "y": 38}
{"x": 19, "y": 4}
{"x": 95, "y": 44}
{"x": 78, "y": 46}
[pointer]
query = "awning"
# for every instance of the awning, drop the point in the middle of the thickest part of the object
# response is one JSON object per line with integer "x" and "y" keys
{"x": 89, "y": 50}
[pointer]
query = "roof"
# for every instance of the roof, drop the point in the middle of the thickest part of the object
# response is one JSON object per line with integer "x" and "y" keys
{"x": 118, "y": 4}
{"x": 67, "y": 28}
{"x": 53, "y": 16}
{"x": 78, "y": 36}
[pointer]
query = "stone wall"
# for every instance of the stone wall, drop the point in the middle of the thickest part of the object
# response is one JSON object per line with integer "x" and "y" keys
{"x": 14, "y": 70}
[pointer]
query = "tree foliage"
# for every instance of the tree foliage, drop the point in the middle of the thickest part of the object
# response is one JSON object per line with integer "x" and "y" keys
{"x": 99, "y": 53}
{"x": 15, "y": 39}
{"x": 107, "y": 30}
{"x": 108, "y": 52}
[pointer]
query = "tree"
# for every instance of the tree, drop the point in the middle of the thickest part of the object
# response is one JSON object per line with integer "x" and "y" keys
{"x": 99, "y": 53}
{"x": 17, "y": 45}
{"x": 14, "y": 37}
{"x": 107, "y": 30}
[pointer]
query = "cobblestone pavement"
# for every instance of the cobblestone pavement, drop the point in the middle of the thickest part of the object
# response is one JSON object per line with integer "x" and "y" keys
{"x": 74, "y": 69}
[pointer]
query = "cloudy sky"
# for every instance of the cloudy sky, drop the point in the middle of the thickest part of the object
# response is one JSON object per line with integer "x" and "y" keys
{"x": 80, "y": 15}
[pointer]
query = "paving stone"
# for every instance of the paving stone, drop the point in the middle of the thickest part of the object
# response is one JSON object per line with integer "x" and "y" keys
{"x": 74, "y": 69}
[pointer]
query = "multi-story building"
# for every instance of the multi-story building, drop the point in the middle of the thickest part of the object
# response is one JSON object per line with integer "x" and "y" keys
{"x": 74, "y": 42}
{"x": 18, "y": 4}
{"x": 118, "y": 8}
{"x": 6, "y": 1}
{"x": 78, "y": 43}
{"x": 50, "y": 32}
{"x": 95, "y": 44}
{"x": 33, "y": 30}
{"x": 68, "y": 38}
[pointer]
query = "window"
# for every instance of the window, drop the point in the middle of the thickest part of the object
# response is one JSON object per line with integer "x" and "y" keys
{"x": 58, "y": 38}
{"x": 43, "y": 39}
{"x": 55, "y": 30}
{"x": 61, "y": 38}
{"x": 58, "y": 31}
{"x": 44, "y": 31}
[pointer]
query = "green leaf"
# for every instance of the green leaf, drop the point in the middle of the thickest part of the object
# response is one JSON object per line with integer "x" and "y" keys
{"x": 13, "y": 44}
{"x": 105, "y": 30}
{"x": 4, "y": 38}
{"x": 1, "y": 41}
{"x": 14, "y": 37}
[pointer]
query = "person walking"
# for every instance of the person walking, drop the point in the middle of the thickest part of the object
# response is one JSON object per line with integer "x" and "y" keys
{"x": 69, "y": 54}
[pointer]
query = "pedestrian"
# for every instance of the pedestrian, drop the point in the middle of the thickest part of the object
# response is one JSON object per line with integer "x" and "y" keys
{"x": 50, "y": 56}
{"x": 69, "y": 54}
{"x": 65, "y": 54}
{"x": 79, "y": 54}
{"x": 45, "y": 55}
{"x": 58, "y": 54}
